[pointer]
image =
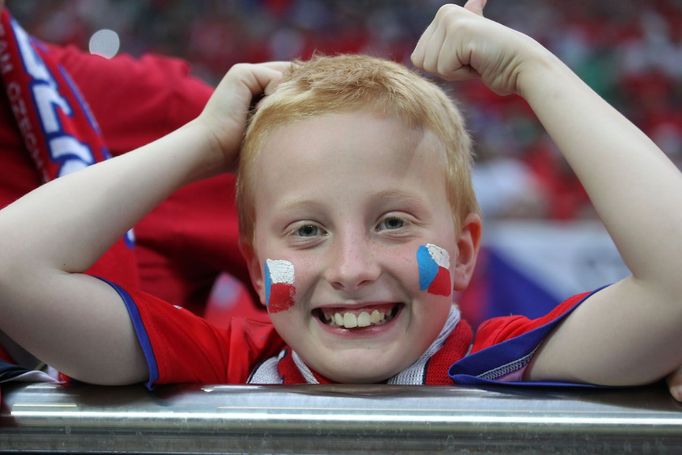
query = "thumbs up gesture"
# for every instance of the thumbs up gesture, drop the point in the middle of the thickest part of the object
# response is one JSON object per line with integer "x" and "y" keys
{"x": 461, "y": 44}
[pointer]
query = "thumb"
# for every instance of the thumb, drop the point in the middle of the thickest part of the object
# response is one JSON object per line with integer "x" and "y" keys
{"x": 475, "y": 6}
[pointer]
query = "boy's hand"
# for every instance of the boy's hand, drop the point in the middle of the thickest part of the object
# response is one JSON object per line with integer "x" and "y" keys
{"x": 461, "y": 44}
{"x": 227, "y": 110}
{"x": 674, "y": 381}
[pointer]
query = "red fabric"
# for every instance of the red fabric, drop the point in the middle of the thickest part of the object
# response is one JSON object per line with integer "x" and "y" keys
{"x": 186, "y": 242}
{"x": 55, "y": 127}
{"x": 134, "y": 100}
{"x": 19, "y": 176}
{"x": 188, "y": 348}
{"x": 290, "y": 373}
{"x": 192, "y": 237}
{"x": 435, "y": 372}
{"x": 497, "y": 330}
{"x": 28, "y": 84}
{"x": 5, "y": 356}
{"x": 454, "y": 348}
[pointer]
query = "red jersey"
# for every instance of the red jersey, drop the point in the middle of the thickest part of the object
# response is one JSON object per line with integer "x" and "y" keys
{"x": 181, "y": 347}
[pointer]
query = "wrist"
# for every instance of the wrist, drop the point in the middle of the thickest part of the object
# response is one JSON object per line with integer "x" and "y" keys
{"x": 538, "y": 67}
{"x": 208, "y": 149}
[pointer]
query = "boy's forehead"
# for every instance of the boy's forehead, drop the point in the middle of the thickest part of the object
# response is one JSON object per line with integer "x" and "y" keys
{"x": 346, "y": 132}
{"x": 341, "y": 149}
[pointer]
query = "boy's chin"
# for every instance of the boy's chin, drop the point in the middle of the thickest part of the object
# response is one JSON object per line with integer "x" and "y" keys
{"x": 353, "y": 373}
{"x": 359, "y": 379}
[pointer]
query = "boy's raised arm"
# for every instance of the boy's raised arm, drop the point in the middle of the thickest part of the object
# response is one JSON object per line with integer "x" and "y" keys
{"x": 75, "y": 322}
{"x": 628, "y": 333}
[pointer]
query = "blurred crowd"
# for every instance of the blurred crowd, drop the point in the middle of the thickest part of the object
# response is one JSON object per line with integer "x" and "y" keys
{"x": 628, "y": 51}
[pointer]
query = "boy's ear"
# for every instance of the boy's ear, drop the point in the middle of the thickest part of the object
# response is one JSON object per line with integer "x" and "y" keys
{"x": 255, "y": 269}
{"x": 468, "y": 243}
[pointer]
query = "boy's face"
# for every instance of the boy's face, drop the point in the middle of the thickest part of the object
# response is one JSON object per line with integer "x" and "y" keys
{"x": 351, "y": 242}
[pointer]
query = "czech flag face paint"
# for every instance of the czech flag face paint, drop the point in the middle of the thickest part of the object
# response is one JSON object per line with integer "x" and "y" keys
{"x": 279, "y": 285}
{"x": 434, "y": 270}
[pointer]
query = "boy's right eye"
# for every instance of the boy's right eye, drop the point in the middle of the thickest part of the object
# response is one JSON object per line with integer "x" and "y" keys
{"x": 307, "y": 230}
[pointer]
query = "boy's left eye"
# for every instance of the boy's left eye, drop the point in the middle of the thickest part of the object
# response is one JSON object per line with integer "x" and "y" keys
{"x": 391, "y": 223}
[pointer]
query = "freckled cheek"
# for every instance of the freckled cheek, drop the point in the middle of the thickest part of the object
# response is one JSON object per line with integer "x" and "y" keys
{"x": 404, "y": 266}
{"x": 416, "y": 272}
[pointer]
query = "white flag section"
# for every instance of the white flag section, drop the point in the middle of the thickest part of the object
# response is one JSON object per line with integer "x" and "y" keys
{"x": 529, "y": 267}
{"x": 563, "y": 258}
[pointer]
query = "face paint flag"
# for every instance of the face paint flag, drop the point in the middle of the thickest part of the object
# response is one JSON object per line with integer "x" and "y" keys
{"x": 434, "y": 270}
{"x": 279, "y": 285}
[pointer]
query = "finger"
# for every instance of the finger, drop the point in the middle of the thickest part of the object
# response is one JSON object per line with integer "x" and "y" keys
{"x": 674, "y": 381}
{"x": 433, "y": 48}
{"x": 280, "y": 66}
{"x": 263, "y": 79}
{"x": 450, "y": 65}
{"x": 417, "y": 56}
{"x": 475, "y": 6}
{"x": 255, "y": 78}
{"x": 272, "y": 84}
{"x": 462, "y": 73}
{"x": 240, "y": 86}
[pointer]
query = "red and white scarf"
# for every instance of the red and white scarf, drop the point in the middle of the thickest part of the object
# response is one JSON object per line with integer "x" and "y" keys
{"x": 60, "y": 132}
{"x": 451, "y": 344}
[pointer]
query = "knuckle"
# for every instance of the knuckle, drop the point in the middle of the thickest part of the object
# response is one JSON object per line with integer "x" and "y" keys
{"x": 461, "y": 27}
{"x": 446, "y": 10}
{"x": 239, "y": 67}
{"x": 454, "y": 21}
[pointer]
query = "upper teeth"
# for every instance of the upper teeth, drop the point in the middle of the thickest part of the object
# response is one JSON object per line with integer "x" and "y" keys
{"x": 350, "y": 320}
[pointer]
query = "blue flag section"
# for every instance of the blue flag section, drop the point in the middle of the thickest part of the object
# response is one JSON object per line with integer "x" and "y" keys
{"x": 527, "y": 268}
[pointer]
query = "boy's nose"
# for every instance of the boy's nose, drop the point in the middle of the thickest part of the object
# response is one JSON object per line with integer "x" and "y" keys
{"x": 351, "y": 264}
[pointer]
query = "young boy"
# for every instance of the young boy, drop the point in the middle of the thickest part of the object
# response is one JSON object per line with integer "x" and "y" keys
{"x": 358, "y": 222}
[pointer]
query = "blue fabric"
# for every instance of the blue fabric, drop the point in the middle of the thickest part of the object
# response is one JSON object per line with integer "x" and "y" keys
{"x": 487, "y": 365}
{"x": 140, "y": 332}
{"x": 9, "y": 371}
{"x": 511, "y": 290}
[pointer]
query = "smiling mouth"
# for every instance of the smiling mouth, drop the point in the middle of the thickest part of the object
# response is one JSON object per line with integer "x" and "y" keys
{"x": 358, "y": 318}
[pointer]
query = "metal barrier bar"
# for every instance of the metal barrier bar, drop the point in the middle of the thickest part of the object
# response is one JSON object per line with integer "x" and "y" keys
{"x": 344, "y": 419}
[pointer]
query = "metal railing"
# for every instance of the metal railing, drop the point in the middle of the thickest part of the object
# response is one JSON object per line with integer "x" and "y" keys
{"x": 336, "y": 419}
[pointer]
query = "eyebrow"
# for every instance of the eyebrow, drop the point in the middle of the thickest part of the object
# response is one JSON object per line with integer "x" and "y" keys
{"x": 391, "y": 199}
{"x": 303, "y": 204}
{"x": 394, "y": 195}
{"x": 398, "y": 196}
